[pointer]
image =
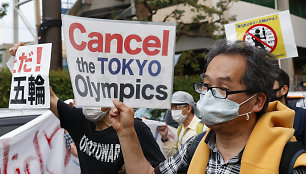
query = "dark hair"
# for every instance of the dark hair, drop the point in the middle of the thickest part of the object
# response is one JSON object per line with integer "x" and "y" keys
{"x": 261, "y": 70}
{"x": 193, "y": 108}
{"x": 283, "y": 79}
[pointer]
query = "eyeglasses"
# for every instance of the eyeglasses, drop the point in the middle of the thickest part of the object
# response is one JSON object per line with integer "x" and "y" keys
{"x": 217, "y": 92}
{"x": 178, "y": 106}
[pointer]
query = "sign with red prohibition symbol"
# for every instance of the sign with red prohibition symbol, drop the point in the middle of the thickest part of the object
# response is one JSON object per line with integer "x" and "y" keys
{"x": 272, "y": 32}
{"x": 261, "y": 35}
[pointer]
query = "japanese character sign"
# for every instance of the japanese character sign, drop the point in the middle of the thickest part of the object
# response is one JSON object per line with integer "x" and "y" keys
{"x": 271, "y": 32}
{"x": 30, "y": 81}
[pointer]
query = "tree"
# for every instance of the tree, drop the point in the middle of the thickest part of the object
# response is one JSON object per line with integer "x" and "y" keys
{"x": 194, "y": 18}
{"x": 206, "y": 20}
{"x": 190, "y": 63}
{"x": 3, "y": 9}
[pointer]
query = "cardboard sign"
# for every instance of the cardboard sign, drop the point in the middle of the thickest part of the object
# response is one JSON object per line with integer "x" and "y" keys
{"x": 125, "y": 60}
{"x": 271, "y": 32}
{"x": 30, "y": 79}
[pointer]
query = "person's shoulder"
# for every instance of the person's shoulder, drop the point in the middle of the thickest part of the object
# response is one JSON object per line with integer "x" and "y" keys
{"x": 297, "y": 109}
{"x": 141, "y": 127}
{"x": 61, "y": 103}
{"x": 139, "y": 123}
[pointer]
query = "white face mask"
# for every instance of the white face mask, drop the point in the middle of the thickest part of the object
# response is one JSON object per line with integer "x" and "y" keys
{"x": 178, "y": 116}
{"x": 215, "y": 110}
{"x": 94, "y": 114}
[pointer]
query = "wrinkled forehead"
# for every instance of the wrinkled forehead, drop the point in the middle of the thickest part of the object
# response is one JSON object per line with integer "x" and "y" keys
{"x": 227, "y": 68}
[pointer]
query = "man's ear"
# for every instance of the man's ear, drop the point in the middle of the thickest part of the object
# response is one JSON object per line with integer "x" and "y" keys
{"x": 189, "y": 108}
{"x": 260, "y": 100}
{"x": 284, "y": 90}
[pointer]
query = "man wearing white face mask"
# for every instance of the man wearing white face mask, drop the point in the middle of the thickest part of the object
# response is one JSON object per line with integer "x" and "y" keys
{"x": 182, "y": 111}
{"x": 247, "y": 135}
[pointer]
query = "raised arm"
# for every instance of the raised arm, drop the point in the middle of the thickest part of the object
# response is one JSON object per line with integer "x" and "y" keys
{"x": 122, "y": 118}
{"x": 53, "y": 103}
{"x": 14, "y": 49}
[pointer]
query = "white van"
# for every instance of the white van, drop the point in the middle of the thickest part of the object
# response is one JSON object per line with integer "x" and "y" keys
{"x": 11, "y": 119}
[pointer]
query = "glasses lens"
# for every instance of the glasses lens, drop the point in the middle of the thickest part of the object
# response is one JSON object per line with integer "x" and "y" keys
{"x": 202, "y": 88}
{"x": 219, "y": 92}
{"x": 176, "y": 106}
{"x": 198, "y": 87}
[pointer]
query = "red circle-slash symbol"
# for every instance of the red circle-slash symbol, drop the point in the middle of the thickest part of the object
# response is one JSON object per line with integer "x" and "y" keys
{"x": 261, "y": 35}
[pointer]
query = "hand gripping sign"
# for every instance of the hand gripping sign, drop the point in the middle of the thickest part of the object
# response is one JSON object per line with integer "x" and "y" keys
{"x": 124, "y": 60}
{"x": 272, "y": 32}
{"x": 30, "y": 80}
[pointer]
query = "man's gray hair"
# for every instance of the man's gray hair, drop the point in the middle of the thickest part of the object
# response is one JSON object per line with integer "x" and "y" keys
{"x": 262, "y": 67}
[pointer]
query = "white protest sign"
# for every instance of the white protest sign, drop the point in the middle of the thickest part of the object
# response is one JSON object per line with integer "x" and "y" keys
{"x": 153, "y": 125}
{"x": 30, "y": 78}
{"x": 10, "y": 64}
{"x": 272, "y": 32}
{"x": 37, "y": 147}
{"x": 126, "y": 60}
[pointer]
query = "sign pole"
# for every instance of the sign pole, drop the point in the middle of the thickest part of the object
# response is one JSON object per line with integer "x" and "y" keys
{"x": 279, "y": 63}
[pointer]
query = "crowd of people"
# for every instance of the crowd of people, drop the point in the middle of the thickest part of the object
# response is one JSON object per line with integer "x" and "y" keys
{"x": 245, "y": 126}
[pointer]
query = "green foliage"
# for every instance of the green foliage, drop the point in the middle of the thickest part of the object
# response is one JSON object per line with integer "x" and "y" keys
{"x": 190, "y": 63}
{"x": 59, "y": 80}
{"x": 5, "y": 87}
{"x": 185, "y": 83}
{"x": 154, "y": 5}
{"x": 61, "y": 84}
{"x": 207, "y": 20}
{"x": 3, "y": 8}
